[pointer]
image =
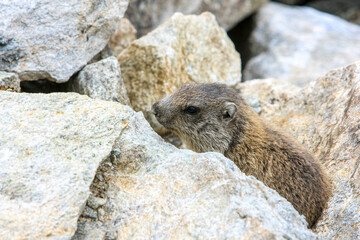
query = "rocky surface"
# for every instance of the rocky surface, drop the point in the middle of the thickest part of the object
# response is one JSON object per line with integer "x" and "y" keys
{"x": 50, "y": 148}
{"x": 123, "y": 36}
{"x": 154, "y": 190}
{"x": 325, "y": 116}
{"x": 9, "y": 81}
{"x": 101, "y": 80}
{"x": 52, "y": 40}
{"x": 347, "y": 9}
{"x": 182, "y": 50}
{"x": 147, "y": 15}
{"x": 299, "y": 44}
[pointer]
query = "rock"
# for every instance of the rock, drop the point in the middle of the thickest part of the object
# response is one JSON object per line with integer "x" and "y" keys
{"x": 147, "y": 15}
{"x": 101, "y": 80}
{"x": 292, "y": 2}
{"x": 299, "y": 44}
{"x": 155, "y": 190}
{"x": 325, "y": 117}
{"x": 182, "y": 50}
{"x": 347, "y": 9}
{"x": 53, "y": 40}
{"x": 95, "y": 202}
{"x": 9, "y": 81}
{"x": 123, "y": 36}
{"x": 50, "y": 148}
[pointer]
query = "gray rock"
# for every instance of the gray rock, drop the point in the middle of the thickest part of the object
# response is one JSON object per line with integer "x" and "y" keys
{"x": 9, "y": 81}
{"x": 347, "y": 9}
{"x": 95, "y": 202}
{"x": 146, "y": 15}
{"x": 53, "y": 40}
{"x": 300, "y": 44}
{"x": 50, "y": 148}
{"x": 101, "y": 80}
{"x": 325, "y": 117}
{"x": 156, "y": 191}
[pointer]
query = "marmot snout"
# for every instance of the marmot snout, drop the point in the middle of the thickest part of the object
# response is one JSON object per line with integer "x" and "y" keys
{"x": 213, "y": 117}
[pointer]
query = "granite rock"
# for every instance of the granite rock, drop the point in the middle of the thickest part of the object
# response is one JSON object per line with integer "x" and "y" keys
{"x": 182, "y": 50}
{"x": 299, "y": 44}
{"x": 123, "y": 36}
{"x": 50, "y": 148}
{"x": 101, "y": 80}
{"x": 9, "y": 81}
{"x": 325, "y": 117}
{"x": 147, "y": 15}
{"x": 52, "y": 39}
{"x": 155, "y": 190}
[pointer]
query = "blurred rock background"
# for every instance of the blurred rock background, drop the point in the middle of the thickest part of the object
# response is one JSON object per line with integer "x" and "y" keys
{"x": 90, "y": 167}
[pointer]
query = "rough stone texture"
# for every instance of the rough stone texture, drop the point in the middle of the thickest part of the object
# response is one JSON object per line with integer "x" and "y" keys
{"x": 291, "y": 2}
{"x": 147, "y": 15}
{"x": 182, "y": 50}
{"x": 9, "y": 81}
{"x": 54, "y": 39}
{"x": 123, "y": 36}
{"x": 101, "y": 80}
{"x": 325, "y": 116}
{"x": 299, "y": 44}
{"x": 50, "y": 148}
{"x": 347, "y": 9}
{"x": 155, "y": 191}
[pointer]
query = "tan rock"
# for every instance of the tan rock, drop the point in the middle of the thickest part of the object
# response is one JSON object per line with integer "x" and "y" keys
{"x": 325, "y": 116}
{"x": 123, "y": 36}
{"x": 184, "y": 49}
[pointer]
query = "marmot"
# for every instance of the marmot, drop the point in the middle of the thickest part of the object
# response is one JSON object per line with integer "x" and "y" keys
{"x": 213, "y": 117}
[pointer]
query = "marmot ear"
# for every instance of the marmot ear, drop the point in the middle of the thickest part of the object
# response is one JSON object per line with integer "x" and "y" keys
{"x": 229, "y": 110}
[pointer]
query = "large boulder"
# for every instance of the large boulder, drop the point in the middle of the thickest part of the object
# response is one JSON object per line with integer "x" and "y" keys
{"x": 150, "y": 189}
{"x": 347, "y": 9}
{"x": 53, "y": 40}
{"x": 101, "y": 80}
{"x": 299, "y": 44}
{"x": 184, "y": 49}
{"x": 50, "y": 148}
{"x": 325, "y": 117}
{"x": 146, "y": 15}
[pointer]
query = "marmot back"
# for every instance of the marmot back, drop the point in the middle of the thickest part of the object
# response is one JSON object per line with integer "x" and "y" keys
{"x": 213, "y": 117}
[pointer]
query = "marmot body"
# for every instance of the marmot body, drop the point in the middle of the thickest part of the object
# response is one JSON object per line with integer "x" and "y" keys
{"x": 213, "y": 117}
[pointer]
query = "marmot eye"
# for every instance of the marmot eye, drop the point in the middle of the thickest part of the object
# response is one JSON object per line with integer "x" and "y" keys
{"x": 192, "y": 110}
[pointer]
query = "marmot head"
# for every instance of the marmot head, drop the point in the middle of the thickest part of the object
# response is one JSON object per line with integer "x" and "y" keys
{"x": 203, "y": 115}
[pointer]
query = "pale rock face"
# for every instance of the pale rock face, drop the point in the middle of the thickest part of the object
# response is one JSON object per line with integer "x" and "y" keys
{"x": 9, "y": 81}
{"x": 50, "y": 148}
{"x": 54, "y": 39}
{"x": 146, "y": 15}
{"x": 300, "y": 44}
{"x": 101, "y": 80}
{"x": 154, "y": 190}
{"x": 123, "y": 36}
{"x": 325, "y": 117}
{"x": 182, "y": 50}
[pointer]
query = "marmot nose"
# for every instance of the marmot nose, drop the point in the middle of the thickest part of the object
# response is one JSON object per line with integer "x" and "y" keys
{"x": 155, "y": 109}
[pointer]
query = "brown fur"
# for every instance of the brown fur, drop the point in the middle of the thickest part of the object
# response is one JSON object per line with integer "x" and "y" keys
{"x": 255, "y": 146}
